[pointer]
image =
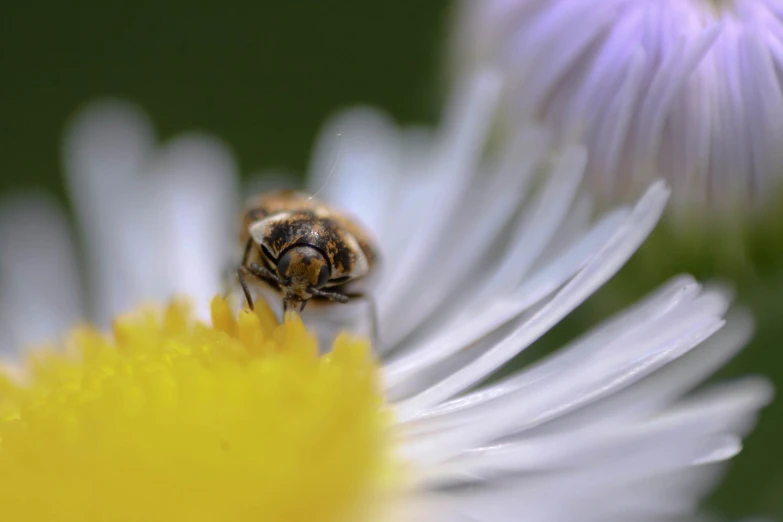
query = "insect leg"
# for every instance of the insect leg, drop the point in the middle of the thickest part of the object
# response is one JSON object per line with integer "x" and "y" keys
{"x": 265, "y": 274}
{"x": 241, "y": 275}
{"x": 373, "y": 314}
{"x": 332, "y": 296}
{"x": 344, "y": 298}
{"x": 261, "y": 272}
{"x": 248, "y": 249}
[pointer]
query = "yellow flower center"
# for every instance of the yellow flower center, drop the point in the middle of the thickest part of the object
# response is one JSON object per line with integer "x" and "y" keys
{"x": 169, "y": 420}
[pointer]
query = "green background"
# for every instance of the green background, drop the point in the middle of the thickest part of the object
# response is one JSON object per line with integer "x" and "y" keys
{"x": 264, "y": 76}
{"x": 261, "y": 75}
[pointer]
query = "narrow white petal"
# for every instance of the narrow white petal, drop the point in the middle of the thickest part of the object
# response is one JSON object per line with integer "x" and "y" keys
{"x": 623, "y": 362}
{"x": 356, "y": 165}
{"x": 540, "y": 221}
{"x": 462, "y": 253}
{"x": 656, "y": 89}
{"x": 732, "y": 150}
{"x": 458, "y": 151}
{"x": 576, "y": 225}
{"x": 414, "y": 190}
{"x": 611, "y": 135}
{"x": 40, "y": 284}
{"x": 587, "y": 98}
{"x": 672, "y": 298}
{"x": 764, "y": 113}
{"x": 105, "y": 150}
{"x": 594, "y": 495}
{"x": 675, "y": 438}
{"x": 193, "y": 186}
{"x": 460, "y": 331}
{"x": 555, "y": 56}
{"x": 668, "y": 384}
{"x": 599, "y": 269}
{"x": 670, "y": 77}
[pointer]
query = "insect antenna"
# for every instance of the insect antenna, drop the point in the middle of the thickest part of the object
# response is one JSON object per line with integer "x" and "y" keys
{"x": 331, "y": 170}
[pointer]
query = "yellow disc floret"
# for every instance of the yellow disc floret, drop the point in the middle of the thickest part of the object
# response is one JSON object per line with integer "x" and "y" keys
{"x": 168, "y": 420}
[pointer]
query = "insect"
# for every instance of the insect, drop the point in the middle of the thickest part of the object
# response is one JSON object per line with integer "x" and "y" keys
{"x": 304, "y": 249}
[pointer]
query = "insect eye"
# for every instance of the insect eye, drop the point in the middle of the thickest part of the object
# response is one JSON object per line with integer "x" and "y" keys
{"x": 283, "y": 264}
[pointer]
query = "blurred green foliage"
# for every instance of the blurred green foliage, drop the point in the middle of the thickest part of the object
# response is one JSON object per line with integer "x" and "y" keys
{"x": 743, "y": 255}
{"x": 264, "y": 76}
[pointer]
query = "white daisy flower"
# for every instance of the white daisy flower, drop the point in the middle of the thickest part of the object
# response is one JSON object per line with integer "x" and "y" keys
{"x": 481, "y": 258}
{"x": 154, "y": 221}
{"x": 687, "y": 90}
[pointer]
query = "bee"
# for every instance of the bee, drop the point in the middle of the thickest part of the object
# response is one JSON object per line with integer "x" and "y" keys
{"x": 304, "y": 249}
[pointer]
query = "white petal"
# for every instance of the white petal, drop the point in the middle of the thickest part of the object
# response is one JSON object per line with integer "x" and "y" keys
{"x": 462, "y": 331}
{"x": 671, "y": 89}
{"x": 554, "y": 56}
{"x": 194, "y": 188}
{"x": 592, "y": 495}
{"x": 355, "y": 165}
{"x": 675, "y": 438}
{"x": 599, "y": 269}
{"x": 669, "y": 383}
{"x": 458, "y": 151}
{"x": 668, "y": 80}
{"x": 673, "y": 297}
{"x": 552, "y": 392}
{"x": 539, "y": 222}
{"x": 106, "y": 150}
{"x": 462, "y": 254}
{"x": 40, "y": 294}
{"x": 155, "y": 224}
